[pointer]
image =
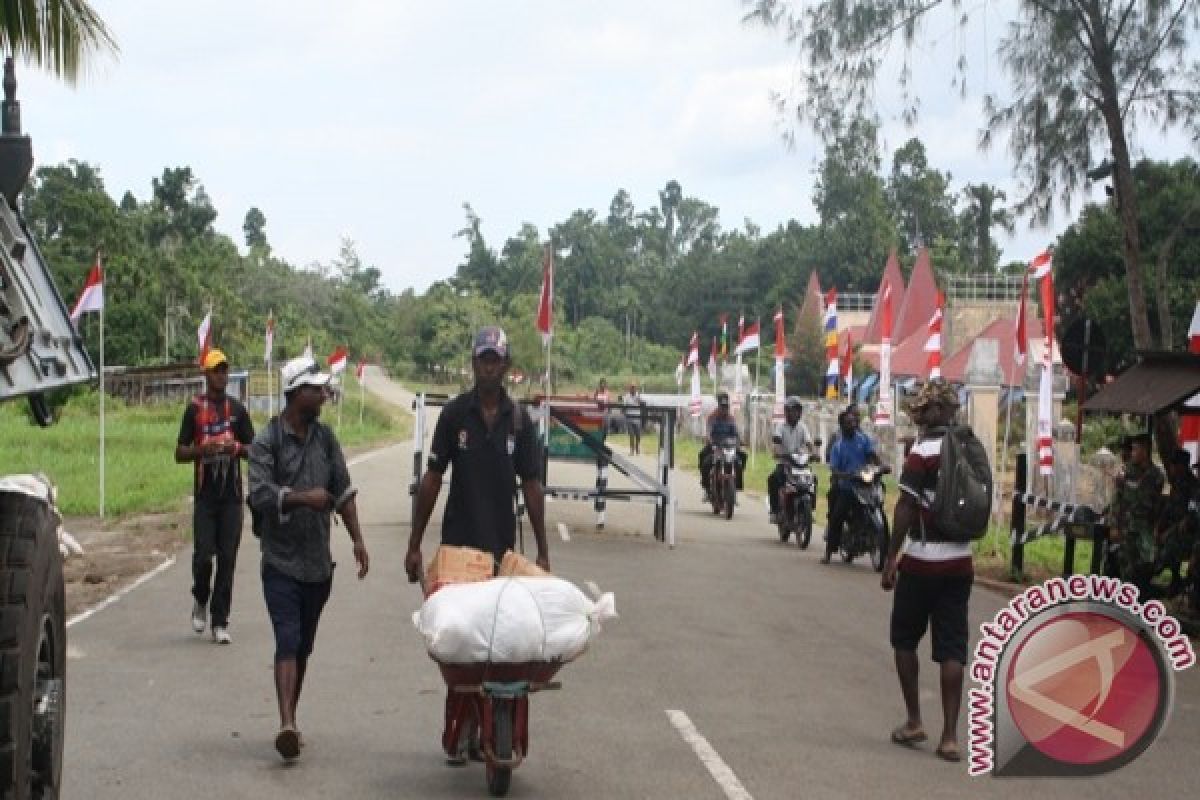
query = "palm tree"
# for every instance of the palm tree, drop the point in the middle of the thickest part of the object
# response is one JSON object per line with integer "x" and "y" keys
{"x": 57, "y": 35}
{"x": 983, "y": 213}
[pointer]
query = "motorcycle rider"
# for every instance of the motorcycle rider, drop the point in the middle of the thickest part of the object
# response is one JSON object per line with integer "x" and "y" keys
{"x": 721, "y": 425}
{"x": 850, "y": 453}
{"x": 791, "y": 437}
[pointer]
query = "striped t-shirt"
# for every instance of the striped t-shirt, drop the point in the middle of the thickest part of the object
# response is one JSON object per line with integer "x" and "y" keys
{"x": 918, "y": 479}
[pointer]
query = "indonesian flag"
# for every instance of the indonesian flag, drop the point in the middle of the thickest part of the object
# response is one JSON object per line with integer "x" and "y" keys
{"x": 848, "y": 366}
{"x": 712, "y": 360}
{"x": 92, "y": 296}
{"x": 749, "y": 340}
{"x": 780, "y": 340}
{"x": 337, "y": 360}
{"x": 360, "y": 371}
{"x": 933, "y": 345}
{"x": 883, "y": 411}
{"x": 1039, "y": 268}
{"x": 693, "y": 356}
{"x": 1189, "y": 429}
{"x": 204, "y": 336}
{"x": 833, "y": 369}
{"x": 1021, "y": 343}
{"x": 269, "y": 343}
{"x": 545, "y": 313}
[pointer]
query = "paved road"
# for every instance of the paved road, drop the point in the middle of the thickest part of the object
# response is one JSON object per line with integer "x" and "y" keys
{"x": 780, "y": 663}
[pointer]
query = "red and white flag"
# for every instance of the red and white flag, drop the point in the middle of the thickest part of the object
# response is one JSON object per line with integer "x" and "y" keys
{"x": 92, "y": 296}
{"x": 1021, "y": 335}
{"x": 269, "y": 339}
{"x": 749, "y": 339}
{"x": 337, "y": 360}
{"x": 1039, "y": 267}
{"x": 1189, "y": 429}
{"x": 933, "y": 345}
{"x": 848, "y": 366}
{"x": 693, "y": 355}
{"x": 545, "y": 312}
{"x": 883, "y": 411}
{"x": 204, "y": 336}
{"x": 780, "y": 335}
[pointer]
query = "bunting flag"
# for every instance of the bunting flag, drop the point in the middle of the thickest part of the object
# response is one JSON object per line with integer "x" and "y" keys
{"x": 92, "y": 296}
{"x": 1189, "y": 428}
{"x": 269, "y": 338}
{"x": 883, "y": 411}
{"x": 933, "y": 345}
{"x": 545, "y": 312}
{"x": 1021, "y": 334}
{"x": 337, "y": 360}
{"x": 1039, "y": 269}
{"x": 833, "y": 370}
{"x": 712, "y": 360}
{"x": 204, "y": 336}
{"x": 847, "y": 365}
{"x": 749, "y": 339}
{"x": 693, "y": 354}
{"x": 780, "y": 335}
{"x": 724, "y": 351}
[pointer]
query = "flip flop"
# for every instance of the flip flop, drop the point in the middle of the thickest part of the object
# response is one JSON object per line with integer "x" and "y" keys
{"x": 949, "y": 754}
{"x": 907, "y": 738}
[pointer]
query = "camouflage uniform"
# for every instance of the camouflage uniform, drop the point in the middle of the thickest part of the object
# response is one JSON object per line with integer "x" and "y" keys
{"x": 1180, "y": 522}
{"x": 1135, "y": 510}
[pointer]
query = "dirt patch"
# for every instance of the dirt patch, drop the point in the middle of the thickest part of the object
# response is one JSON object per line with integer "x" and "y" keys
{"x": 118, "y": 552}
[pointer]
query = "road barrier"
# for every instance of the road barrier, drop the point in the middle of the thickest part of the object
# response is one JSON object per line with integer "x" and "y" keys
{"x": 1072, "y": 520}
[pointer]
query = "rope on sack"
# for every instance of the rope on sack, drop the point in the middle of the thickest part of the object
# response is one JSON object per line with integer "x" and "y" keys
{"x": 496, "y": 614}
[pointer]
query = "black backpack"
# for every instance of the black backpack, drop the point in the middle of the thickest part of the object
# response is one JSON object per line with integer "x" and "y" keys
{"x": 962, "y": 503}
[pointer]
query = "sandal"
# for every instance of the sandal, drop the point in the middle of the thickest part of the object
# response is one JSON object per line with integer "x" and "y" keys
{"x": 287, "y": 743}
{"x": 950, "y": 754}
{"x": 906, "y": 738}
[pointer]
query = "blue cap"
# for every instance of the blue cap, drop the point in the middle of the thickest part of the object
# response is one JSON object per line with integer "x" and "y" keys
{"x": 493, "y": 339}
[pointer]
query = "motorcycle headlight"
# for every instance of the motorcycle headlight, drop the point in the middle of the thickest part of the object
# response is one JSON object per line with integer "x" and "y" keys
{"x": 730, "y": 452}
{"x": 805, "y": 480}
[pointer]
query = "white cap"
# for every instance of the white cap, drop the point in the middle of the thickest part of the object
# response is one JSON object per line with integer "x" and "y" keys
{"x": 302, "y": 371}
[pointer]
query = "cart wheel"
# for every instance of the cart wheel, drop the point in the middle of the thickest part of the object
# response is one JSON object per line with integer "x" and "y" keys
{"x": 499, "y": 778}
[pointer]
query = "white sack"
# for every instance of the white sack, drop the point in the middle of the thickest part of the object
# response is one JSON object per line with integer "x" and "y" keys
{"x": 510, "y": 621}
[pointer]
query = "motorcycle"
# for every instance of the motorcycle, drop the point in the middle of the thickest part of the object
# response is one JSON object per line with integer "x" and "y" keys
{"x": 798, "y": 497}
{"x": 722, "y": 477}
{"x": 866, "y": 529}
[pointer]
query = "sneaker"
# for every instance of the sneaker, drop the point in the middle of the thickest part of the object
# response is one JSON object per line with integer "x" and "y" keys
{"x": 221, "y": 636}
{"x": 199, "y": 617}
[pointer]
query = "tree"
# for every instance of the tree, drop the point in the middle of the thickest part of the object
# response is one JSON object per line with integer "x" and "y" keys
{"x": 1082, "y": 74}
{"x": 984, "y": 211}
{"x": 58, "y": 35}
{"x": 254, "y": 228}
{"x": 919, "y": 197}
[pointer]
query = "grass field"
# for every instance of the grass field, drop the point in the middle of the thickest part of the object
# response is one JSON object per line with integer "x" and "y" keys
{"x": 140, "y": 470}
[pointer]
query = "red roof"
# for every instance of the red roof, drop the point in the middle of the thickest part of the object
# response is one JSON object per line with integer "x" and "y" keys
{"x": 891, "y": 277}
{"x": 920, "y": 301}
{"x": 1002, "y": 330}
{"x": 909, "y": 359}
{"x": 813, "y": 303}
{"x": 855, "y": 332}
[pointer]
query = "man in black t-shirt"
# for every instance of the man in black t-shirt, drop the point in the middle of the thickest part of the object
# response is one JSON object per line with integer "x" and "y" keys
{"x": 215, "y": 436}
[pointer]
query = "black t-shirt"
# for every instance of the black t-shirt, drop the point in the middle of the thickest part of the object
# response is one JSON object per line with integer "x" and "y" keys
{"x": 217, "y": 478}
{"x": 479, "y": 510}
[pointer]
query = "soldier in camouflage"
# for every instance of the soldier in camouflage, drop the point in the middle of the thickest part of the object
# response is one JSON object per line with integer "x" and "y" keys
{"x": 1135, "y": 513}
{"x": 1179, "y": 522}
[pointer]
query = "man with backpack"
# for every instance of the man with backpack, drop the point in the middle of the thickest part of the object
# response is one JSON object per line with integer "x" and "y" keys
{"x": 488, "y": 442}
{"x": 298, "y": 478}
{"x": 215, "y": 436}
{"x": 944, "y": 502}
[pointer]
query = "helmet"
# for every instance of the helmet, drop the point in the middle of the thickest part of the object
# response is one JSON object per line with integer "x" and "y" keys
{"x": 793, "y": 402}
{"x": 722, "y": 398}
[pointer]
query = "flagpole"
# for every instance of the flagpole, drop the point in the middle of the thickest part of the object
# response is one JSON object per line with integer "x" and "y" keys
{"x": 103, "y": 281}
{"x": 362, "y": 395}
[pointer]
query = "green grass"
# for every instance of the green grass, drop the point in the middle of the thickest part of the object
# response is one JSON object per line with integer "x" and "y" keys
{"x": 140, "y": 470}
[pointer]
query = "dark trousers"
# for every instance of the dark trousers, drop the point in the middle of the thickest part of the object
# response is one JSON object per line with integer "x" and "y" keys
{"x": 839, "y": 509}
{"x": 217, "y": 533}
{"x": 774, "y": 483}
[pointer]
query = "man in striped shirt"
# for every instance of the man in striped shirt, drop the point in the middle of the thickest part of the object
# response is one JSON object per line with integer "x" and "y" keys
{"x": 932, "y": 578}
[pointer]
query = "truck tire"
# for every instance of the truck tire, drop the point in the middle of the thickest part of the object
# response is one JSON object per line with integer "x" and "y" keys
{"x": 32, "y": 651}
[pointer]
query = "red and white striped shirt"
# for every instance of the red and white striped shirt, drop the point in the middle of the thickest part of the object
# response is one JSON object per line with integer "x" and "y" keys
{"x": 925, "y": 555}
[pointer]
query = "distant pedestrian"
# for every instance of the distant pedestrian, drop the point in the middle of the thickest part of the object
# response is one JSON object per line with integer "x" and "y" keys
{"x": 632, "y": 400}
{"x": 932, "y": 577}
{"x": 298, "y": 478}
{"x": 215, "y": 436}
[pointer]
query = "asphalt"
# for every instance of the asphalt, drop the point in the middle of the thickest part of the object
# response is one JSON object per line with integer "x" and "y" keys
{"x": 782, "y": 665}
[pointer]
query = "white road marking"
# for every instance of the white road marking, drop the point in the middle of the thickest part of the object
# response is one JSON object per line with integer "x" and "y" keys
{"x": 563, "y": 532}
{"x": 114, "y": 597}
{"x": 720, "y": 771}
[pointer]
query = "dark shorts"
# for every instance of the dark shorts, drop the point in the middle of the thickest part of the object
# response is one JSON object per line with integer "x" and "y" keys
{"x": 295, "y": 609}
{"x": 938, "y": 599}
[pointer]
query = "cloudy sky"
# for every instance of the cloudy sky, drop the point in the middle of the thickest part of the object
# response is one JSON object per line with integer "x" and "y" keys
{"x": 377, "y": 119}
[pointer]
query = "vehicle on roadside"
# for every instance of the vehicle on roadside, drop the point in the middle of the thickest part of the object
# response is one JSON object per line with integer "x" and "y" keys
{"x": 40, "y": 351}
{"x": 866, "y": 529}
{"x": 722, "y": 477}
{"x": 798, "y": 498}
